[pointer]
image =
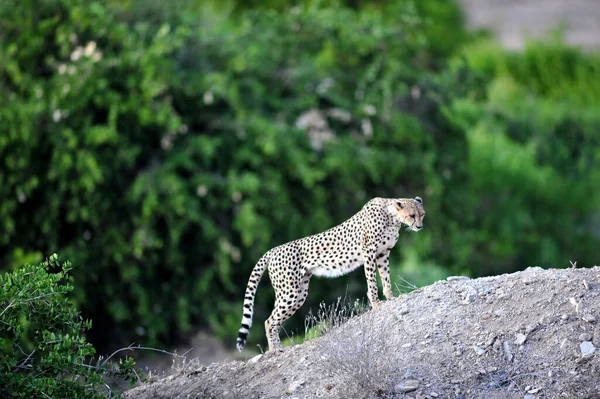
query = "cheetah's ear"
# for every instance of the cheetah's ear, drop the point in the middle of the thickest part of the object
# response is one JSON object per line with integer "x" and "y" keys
{"x": 419, "y": 200}
{"x": 400, "y": 204}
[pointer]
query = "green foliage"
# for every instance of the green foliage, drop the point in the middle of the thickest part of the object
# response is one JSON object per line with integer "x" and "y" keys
{"x": 43, "y": 350}
{"x": 546, "y": 68}
{"x": 534, "y": 147}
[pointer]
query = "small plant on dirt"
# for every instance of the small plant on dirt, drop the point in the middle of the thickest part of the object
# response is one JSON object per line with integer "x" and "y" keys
{"x": 331, "y": 316}
{"x": 357, "y": 357}
{"x": 43, "y": 350}
{"x": 326, "y": 318}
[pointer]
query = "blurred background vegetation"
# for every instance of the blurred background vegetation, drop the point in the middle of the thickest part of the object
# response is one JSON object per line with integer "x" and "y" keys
{"x": 163, "y": 147}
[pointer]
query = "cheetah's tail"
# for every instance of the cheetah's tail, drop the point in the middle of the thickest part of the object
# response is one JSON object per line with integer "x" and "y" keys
{"x": 257, "y": 273}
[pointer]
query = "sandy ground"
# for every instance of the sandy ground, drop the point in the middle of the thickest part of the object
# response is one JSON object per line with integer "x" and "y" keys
{"x": 531, "y": 334}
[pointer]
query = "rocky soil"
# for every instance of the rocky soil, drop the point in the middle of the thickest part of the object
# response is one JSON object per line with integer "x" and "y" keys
{"x": 531, "y": 334}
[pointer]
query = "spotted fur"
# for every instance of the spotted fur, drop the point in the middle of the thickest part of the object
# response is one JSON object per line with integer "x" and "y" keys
{"x": 364, "y": 239}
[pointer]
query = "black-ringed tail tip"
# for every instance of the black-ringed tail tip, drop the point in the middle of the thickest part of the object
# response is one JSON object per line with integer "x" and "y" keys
{"x": 242, "y": 337}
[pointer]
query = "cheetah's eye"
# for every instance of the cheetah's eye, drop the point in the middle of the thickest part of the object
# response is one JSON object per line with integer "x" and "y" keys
{"x": 412, "y": 216}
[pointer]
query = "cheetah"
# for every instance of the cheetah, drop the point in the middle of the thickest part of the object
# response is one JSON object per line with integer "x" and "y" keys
{"x": 364, "y": 239}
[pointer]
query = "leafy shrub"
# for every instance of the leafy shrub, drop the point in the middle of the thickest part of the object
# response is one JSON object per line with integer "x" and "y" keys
{"x": 534, "y": 153}
{"x": 43, "y": 349}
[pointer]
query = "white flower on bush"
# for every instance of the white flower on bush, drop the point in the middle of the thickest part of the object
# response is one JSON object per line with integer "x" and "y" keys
{"x": 201, "y": 190}
{"x": 89, "y": 49}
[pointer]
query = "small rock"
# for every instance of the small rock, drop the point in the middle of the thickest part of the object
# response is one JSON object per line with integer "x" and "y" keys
{"x": 585, "y": 337}
{"x": 589, "y": 318}
{"x": 407, "y": 345}
{"x": 407, "y": 386}
{"x": 536, "y": 268}
{"x": 508, "y": 353}
{"x": 573, "y": 301}
{"x": 434, "y": 394}
{"x": 403, "y": 311}
{"x": 534, "y": 390}
{"x": 457, "y": 278}
{"x": 499, "y": 312}
{"x": 530, "y": 328}
{"x": 587, "y": 348}
{"x": 520, "y": 339}
{"x": 255, "y": 359}
{"x": 294, "y": 386}
{"x": 497, "y": 344}
{"x": 564, "y": 317}
{"x": 469, "y": 295}
{"x": 528, "y": 397}
{"x": 480, "y": 351}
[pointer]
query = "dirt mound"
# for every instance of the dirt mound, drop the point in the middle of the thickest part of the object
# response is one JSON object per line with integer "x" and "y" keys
{"x": 531, "y": 334}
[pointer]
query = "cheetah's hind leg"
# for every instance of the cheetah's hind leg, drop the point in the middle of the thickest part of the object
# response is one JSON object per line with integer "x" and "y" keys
{"x": 290, "y": 296}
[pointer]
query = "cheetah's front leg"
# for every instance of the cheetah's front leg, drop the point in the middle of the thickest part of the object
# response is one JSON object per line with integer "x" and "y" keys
{"x": 383, "y": 264}
{"x": 368, "y": 254}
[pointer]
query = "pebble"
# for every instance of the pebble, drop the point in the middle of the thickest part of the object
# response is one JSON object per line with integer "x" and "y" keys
{"x": 535, "y": 268}
{"x": 255, "y": 359}
{"x": 587, "y": 348}
{"x": 469, "y": 295}
{"x": 585, "y": 337}
{"x": 480, "y": 351}
{"x": 457, "y": 278}
{"x": 407, "y": 386}
{"x": 589, "y": 318}
{"x": 528, "y": 397}
{"x": 530, "y": 328}
{"x": 403, "y": 311}
{"x": 508, "y": 353}
{"x": 520, "y": 339}
{"x": 434, "y": 394}
{"x": 294, "y": 386}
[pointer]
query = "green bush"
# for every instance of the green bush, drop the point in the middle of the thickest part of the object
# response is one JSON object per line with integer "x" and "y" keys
{"x": 534, "y": 152}
{"x": 43, "y": 350}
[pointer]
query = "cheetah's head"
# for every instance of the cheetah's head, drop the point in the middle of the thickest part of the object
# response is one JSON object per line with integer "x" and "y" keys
{"x": 408, "y": 211}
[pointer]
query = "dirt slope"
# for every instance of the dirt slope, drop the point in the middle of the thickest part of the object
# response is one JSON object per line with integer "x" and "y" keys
{"x": 531, "y": 334}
